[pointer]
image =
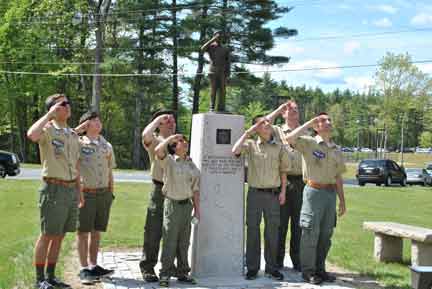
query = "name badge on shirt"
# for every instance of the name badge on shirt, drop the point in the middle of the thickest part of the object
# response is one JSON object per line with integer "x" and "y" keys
{"x": 58, "y": 146}
{"x": 319, "y": 154}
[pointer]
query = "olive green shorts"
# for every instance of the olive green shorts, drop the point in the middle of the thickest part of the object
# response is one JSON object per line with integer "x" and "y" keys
{"x": 94, "y": 215}
{"x": 58, "y": 209}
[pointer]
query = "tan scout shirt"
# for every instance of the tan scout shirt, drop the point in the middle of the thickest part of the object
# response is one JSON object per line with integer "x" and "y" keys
{"x": 59, "y": 152}
{"x": 266, "y": 160}
{"x": 322, "y": 162}
{"x": 155, "y": 169}
{"x": 280, "y": 133}
{"x": 181, "y": 178}
{"x": 96, "y": 162}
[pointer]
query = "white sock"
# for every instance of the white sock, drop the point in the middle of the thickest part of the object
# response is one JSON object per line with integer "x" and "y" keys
{"x": 91, "y": 267}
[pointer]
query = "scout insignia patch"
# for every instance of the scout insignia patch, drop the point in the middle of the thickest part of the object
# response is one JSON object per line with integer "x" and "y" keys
{"x": 58, "y": 146}
{"x": 87, "y": 151}
{"x": 319, "y": 154}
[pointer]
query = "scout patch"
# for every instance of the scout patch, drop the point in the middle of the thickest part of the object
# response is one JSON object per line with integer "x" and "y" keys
{"x": 87, "y": 151}
{"x": 58, "y": 146}
{"x": 319, "y": 154}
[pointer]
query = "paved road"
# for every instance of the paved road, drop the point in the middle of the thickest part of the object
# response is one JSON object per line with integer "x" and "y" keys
{"x": 121, "y": 176}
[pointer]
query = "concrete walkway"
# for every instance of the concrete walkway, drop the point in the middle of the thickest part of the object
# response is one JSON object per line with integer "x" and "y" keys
{"x": 127, "y": 276}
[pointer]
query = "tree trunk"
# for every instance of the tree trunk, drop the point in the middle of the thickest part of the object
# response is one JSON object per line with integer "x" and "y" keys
{"x": 175, "y": 90}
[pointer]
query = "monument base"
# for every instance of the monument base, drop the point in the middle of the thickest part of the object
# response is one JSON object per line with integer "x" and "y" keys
{"x": 218, "y": 241}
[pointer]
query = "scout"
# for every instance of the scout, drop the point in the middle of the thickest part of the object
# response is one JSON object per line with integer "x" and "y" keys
{"x": 162, "y": 126}
{"x": 181, "y": 185}
{"x": 59, "y": 194}
{"x": 96, "y": 164}
{"x": 290, "y": 211}
{"x": 268, "y": 162}
{"x": 323, "y": 169}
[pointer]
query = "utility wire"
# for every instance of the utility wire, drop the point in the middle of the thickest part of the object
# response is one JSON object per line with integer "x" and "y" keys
{"x": 192, "y": 74}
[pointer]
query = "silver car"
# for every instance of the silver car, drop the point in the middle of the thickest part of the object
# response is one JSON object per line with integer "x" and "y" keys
{"x": 418, "y": 176}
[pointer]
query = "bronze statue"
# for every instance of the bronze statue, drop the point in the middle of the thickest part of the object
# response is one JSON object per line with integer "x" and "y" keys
{"x": 219, "y": 71}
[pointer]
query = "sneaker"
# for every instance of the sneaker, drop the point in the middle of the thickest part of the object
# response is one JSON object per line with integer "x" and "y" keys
{"x": 164, "y": 281}
{"x": 100, "y": 272}
{"x": 276, "y": 275}
{"x": 86, "y": 277}
{"x": 186, "y": 279}
{"x": 251, "y": 275}
{"x": 43, "y": 285}
{"x": 58, "y": 284}
{"x": 314, "y": 279}
{"x": 326, "y": 277}
{"x": 150, "y": 276}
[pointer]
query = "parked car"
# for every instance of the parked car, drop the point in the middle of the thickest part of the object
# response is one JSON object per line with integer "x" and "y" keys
{"x": 366, "y": 150}
{"x": 9, "y": 164}
{"x": 380, "y": 172}
{"x": 347, "y": 150}
{"x": 418, "y": 176}
{"x": 423, "y": 150}
{"x": 429, "y": 168}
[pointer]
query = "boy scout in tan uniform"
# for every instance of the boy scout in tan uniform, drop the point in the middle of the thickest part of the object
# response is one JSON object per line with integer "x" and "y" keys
{"x": 181, "y": 185}
{"x": 163, "y": 121}
{"x": 59, "y": 195}
{"x": 290, "y": 211}
{"x": 324, "y": 166}
{"x": 96, "y": 163}
{"x": 268, "y": 163}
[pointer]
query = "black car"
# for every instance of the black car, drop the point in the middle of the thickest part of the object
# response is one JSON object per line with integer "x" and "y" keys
{"x": 9, "y": 164}
{"x": 380, "y": 172}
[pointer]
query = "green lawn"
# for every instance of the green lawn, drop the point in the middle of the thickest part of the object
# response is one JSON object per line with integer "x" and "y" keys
{"x": 352, "y": 247}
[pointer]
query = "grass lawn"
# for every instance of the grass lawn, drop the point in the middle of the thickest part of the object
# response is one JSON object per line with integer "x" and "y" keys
{"x": 352, "y": 247}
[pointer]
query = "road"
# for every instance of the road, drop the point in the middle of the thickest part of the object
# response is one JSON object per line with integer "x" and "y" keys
{"x": 120, "y": 176}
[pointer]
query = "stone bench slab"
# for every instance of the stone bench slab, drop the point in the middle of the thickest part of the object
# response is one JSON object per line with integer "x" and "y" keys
{"x": 419, "y": 234}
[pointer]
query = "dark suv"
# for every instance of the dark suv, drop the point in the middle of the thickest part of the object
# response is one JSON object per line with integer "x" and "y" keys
{"x": 9, "y": 164}
{"x": 380, "y": 172}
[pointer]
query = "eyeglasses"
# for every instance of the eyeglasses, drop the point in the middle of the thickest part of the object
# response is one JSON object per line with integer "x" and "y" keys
{"x": 65, "y": 103}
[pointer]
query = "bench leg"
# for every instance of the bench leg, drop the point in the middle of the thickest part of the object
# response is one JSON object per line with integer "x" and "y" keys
{"x": 388, "y": 248}
{"x": 421, "y": 280}
{"x": 421, "y": 254}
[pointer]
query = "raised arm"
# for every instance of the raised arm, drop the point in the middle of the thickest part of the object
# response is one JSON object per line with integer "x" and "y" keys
{"x": 161, "y": 149}
{"x": 295, "y": 134}
{"x": 35, "y": 131}
{"x": 238, "y": 146}
{"x": 277, "y": 112}
{"x": 207, "y": 44}
{"x": 148, "y": 132}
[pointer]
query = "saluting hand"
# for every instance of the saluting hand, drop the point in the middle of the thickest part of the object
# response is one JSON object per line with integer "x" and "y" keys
{"x": 164, "y": 118}
{"x": 174, "y": 138}
{"x": 252, "y": 130}
{"x": 82, "y": 127}
{"x": 52, "y": 113}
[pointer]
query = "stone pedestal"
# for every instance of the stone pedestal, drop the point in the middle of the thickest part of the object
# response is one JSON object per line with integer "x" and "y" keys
{"x": 421, "y": 253}
{"x": 388, "y": 248}
{"x": 218, "y": 239}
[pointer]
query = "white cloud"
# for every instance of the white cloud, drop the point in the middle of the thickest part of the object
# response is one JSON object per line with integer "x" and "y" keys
{"x": 316, "y": 63}
{"x": 287, "y": 48}
{"x": 383, "y": 23}
{"x": 350, "y": 47}
{"x": 421, "y": 19}
{"x": 359, "y": 83}
{"x": 386, "y": 8}
{"x": 425, "y": 67}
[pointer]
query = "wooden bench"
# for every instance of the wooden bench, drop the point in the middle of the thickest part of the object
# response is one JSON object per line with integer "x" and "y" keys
{"x": 388, "y": 242}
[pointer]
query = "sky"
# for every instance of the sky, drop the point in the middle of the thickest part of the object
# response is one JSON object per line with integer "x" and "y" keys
{"x": 322, "y": 18}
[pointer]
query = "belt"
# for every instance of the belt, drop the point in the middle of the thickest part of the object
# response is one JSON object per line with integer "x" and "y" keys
{"x": 319, "y": 186}
{"x": 156, "y": 182}
{"x": 295, "y": 177}
{"x": 95, "y": 190}
{"x": 60, "y": 182}
{"x": 267, "y": 190}
{"x": 181, "y": 202}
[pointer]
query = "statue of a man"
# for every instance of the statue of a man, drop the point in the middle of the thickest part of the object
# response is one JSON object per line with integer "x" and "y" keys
{"x": 219, "y": 71}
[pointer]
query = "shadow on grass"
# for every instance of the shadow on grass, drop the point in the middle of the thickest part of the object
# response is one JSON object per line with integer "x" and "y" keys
{"x": 368, "y": 281}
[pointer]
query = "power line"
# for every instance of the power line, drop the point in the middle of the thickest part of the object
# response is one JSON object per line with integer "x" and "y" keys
{"x": 192, "y": 74}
